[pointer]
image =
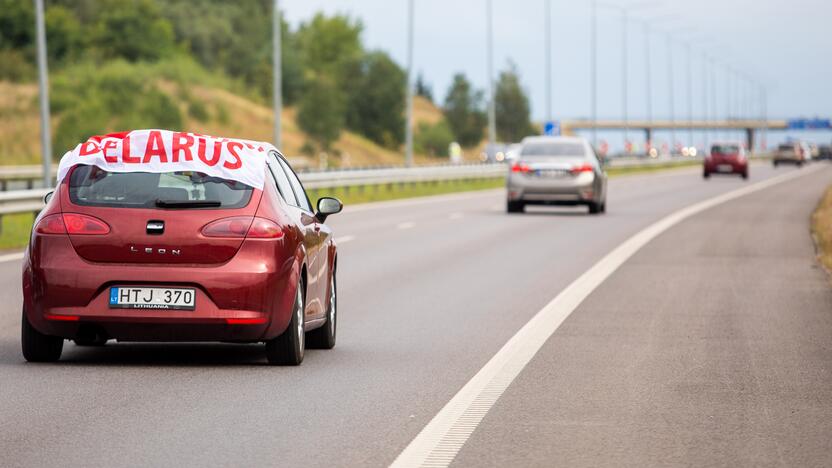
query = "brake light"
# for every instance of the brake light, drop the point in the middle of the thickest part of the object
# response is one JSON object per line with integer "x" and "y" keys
{"x": 245, "y": 321}
{"x": 519, "y": 167}
{"x": 582, "y": 168}
{"x": 85, "y": 225}
{"x": 238, "y": 227}
{"x": 262, "y": 228}
{"x": 61, "y": 318}
{"x": 52, "y": 224}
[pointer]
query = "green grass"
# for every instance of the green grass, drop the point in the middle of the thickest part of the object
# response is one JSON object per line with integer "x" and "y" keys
{"x": 616, "y": 171}
{"x": 16, "y": 229}
{"x": 374, "y": 193}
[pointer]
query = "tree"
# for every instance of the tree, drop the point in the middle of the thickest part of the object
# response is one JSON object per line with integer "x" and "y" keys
{"x": 423, "y": 89}
{"x": 376, "y": 104}
{"x": 433, "y": 139}
{"x": 321, "y": 111}
{"x": 331, "y": 46}
{"x": 463, "y": 110}
{"x": 512, "y": 107}
{"x": 132, "y": 29}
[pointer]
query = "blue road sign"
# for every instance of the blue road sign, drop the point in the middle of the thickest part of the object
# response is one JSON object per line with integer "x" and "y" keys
{"x": 810, "y": 124}
{"x": 551, "y": 128}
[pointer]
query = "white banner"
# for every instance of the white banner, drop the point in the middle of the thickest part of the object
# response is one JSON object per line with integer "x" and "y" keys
{"x": 166, "y": 151}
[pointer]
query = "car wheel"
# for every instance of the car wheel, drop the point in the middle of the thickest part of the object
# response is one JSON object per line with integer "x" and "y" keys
{"x": 604, "y": 207}
{"x": 515, "y": 206}
{"x": 775, "y": 163}
{"x": 324, "y": 337}
{"x": 745, "y": 175}
{"x": 38, "y": 347}
{"x": 594, "y": 208}
{"x": 706, "y": 175}
{"x": 287, "y": 349}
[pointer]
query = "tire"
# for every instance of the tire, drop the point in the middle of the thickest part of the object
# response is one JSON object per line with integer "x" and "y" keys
{"x": 594, "y": 208}
{"x": 745, "y": 175}
{"x": 288, "y": 348}
{"x": 324, "y": 337}
{"x": 515, "y": 206}
{"x": 38, "y": 347}
{"x": 706, "y": 175}
{"x": 604, "y": 207}
{"x": 775, "y": 163}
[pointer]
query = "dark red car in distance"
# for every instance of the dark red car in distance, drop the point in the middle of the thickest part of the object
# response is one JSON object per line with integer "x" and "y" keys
{"x": 726, "y": 158}
{"x": 181, "y": 256}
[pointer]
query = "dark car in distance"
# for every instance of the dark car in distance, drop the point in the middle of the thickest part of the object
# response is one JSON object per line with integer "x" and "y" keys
{"x": 726, "y": 158}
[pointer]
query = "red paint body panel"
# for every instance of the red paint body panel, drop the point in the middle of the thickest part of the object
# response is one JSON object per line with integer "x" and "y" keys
{"x": 739, "y": 165}
{"x": 253, "y": 279}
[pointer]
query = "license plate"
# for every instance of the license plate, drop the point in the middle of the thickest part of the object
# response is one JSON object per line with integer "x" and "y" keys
{"x": 551, "y": 173}
{"x": 725, "y": 168}
{"x": 125, "y": 297}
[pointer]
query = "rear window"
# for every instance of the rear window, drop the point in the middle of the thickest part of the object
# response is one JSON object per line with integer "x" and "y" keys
{"x": 552, "y": 149}
{"x": 93, "y": 186}
{"x": 725, "y": 149}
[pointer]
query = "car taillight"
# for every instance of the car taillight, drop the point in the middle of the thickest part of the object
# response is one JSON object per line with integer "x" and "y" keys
{"x": 264, "y": 229}
{"x": 239, "y": 227}
{"x": 582, "y": 168}
{"x": 519, "y": 167}
{"x": 85, "y": 225}
{"x": 72, "y": 223}
{"x": 52, "y": 224}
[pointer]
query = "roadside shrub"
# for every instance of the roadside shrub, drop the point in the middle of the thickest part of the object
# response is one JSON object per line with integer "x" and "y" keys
{"x": 433, "y": 139}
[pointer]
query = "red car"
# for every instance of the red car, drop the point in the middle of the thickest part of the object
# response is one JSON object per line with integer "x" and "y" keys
{"x": 151, "y": 252}
{"x": 726, "y": 158}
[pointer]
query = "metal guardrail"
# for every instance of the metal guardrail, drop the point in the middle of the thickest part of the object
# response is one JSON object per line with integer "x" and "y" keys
{"x": 31, "y": 201}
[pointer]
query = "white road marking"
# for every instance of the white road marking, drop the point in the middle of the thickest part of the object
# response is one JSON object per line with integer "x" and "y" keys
{"x": 406, "y": 225}
{"x": 13, "y": 257}
{"x": 439, "y": 442}
{"x": 455, "y": 216}
{"x": 344, "y": 239}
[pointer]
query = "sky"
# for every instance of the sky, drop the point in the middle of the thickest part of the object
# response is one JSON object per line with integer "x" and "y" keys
{"x": 782, "y": 46}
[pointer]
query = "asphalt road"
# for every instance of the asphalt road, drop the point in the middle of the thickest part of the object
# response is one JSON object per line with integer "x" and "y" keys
{"x": 710, "y": 346}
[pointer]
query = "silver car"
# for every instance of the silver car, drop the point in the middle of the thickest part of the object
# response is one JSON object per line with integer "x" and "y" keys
{"x": 556, "y": 171}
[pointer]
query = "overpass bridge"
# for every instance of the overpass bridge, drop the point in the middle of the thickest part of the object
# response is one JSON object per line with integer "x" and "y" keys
{"x": 749, "y": 126}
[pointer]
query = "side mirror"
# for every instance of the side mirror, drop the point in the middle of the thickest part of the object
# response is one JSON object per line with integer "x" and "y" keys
{"x": 48, "y": 197}
{"x": 328, "y": 206}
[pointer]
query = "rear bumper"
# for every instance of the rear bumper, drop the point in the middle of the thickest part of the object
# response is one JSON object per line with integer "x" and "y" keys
{"x": 726, "y": 167}
{"x": 574, "y": 191}
{"x": 249, "y": 298}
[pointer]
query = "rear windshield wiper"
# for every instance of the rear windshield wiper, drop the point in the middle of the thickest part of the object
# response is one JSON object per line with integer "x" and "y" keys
{"x": 188, "y": 203}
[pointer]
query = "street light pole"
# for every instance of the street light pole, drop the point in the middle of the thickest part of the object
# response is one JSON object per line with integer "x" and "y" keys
{"x": 670, "y": 88}
{"x": 548, "y": 49}
{"x": 624, "y": 74}
{"x": 492, "y": 114}
{"x": 408, "y": 130}
{"x": 594, "y": 71}
{"x": 277, "y": 72}
{"x": 43, "y": 88}
{"x": 690, "y": 95}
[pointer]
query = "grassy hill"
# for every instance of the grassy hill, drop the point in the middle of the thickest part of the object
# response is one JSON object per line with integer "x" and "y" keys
{"x": 205, "y": 109}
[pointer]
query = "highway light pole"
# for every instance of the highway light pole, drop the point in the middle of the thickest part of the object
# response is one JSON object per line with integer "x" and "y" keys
{"x": 690, "y": 94}
{"x": 492, "y": 114}
{"x": 624, "y": 75}
{"x": 548, "y": 48}
{"x": 43, "y": 88}
{"x": 277, "y": 71}
{"x": 670, "y": 88}
{"x": 593, "y": 67}
{"x": 408, "y": 131}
